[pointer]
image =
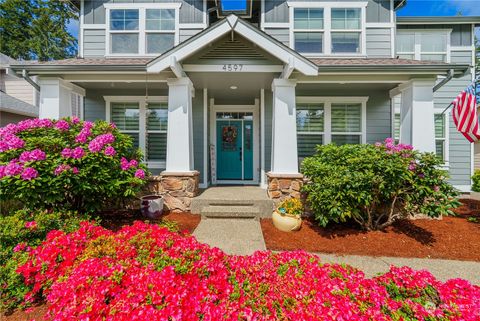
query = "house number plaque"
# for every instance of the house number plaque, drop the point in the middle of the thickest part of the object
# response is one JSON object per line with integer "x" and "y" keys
{"x": 232, "y": 67}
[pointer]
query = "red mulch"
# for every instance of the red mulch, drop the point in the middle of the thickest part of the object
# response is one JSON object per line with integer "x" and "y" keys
{"x": 454, "y": 238}
{"x": 35, "y": 313}
{"x": 115, "y": 220}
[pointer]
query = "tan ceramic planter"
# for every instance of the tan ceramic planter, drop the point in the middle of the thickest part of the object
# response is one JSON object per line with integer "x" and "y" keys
{"x": 286, "y": 223}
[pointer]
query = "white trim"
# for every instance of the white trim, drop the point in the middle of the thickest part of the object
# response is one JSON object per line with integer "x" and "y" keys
{"x": 240, "y": 68}
{"x": 327, "y": 4}
{"x": 460, "y": 48}
{"x": 227, "y": 25}
{"x": 417, "y": 34}
{"x": 463, "y": 188}
{"x": 94, "y": 26}
{"x": 256, "y": 138}
{"x": 205, "y": 138}
{"x": 164, "y": 5}
{"x": 262, "y": 135}
{"x": 81, "y": 28}
{"x": 142, "y": 128}
{"x": 327, "y": 27}
{"x": 327, "y": 107}
{"x": 378, "y": 25}
{"x": 185, "y": 25}
{"x": 276, "y": 25}
{"x": 141, "y": 31}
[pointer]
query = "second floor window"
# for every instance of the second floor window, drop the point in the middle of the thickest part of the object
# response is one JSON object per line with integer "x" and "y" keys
{"x": 144, "y": 31}
{"x": 327, "y": 30}
{"x": 346, "y": 30}
{"x": 423, "y": 45}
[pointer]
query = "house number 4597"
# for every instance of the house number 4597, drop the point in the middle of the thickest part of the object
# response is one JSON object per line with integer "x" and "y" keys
{"x": 232, "y": 67}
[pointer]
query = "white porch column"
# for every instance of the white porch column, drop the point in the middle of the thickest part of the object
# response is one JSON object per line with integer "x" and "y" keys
{"x": 417, "y": 126}
{"x": 55, "y": 97}
{"x": 284, "y": 127}
{"x": 180, "y": 129}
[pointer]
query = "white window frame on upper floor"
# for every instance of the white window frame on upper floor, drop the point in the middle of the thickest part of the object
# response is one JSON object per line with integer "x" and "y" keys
{"x": 327, "y": 120}
{"x": 418, "y": 42}
{"x": 142, "y": 122}
{"x": 142, "y": 32}
{"x": 327, "y": 25}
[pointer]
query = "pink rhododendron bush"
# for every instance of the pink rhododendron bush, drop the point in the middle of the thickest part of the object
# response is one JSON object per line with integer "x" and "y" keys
{"x": 67, "y": 163}
{"x": 145, "y": 272}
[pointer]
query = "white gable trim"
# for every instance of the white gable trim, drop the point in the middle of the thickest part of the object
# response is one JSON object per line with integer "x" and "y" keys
{"x": 233, "y": 23}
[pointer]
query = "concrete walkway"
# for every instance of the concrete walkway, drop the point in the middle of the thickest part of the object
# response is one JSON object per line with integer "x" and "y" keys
{"x": 244, "y": 236}
{"x": 233, "y": 236}
{"x": 441, "y": 269}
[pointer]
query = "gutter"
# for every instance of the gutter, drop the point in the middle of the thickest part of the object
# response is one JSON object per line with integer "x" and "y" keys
{"x": 393, "y": 68}
{"x": 30, "y": 80}
{"x": 449, "y": 77}
{"x": 59, "y": 68}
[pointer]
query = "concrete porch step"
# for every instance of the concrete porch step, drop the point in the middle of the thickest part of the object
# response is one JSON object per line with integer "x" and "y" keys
{"x": 233, "y": 201}
{"x": 231, "y": 211}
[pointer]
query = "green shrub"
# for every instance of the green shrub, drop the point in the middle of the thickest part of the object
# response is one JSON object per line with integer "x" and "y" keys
{"x": 374, "y": 185}
{"x": 67, "y": 164}
{"x": 476, "y": 181}
{"x": 20, "y": 230}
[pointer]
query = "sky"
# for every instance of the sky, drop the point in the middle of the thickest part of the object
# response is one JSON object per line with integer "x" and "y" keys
{"x": 413, "y": 8}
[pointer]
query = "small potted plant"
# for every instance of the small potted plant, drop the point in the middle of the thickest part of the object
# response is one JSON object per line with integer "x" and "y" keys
{"x": 288, "y": 215}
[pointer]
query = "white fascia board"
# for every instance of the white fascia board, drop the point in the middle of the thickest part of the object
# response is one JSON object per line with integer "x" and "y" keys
{"x": 148, "y": 5}
{"x": 189, "y": 48}
{"x": 327, "y": 4}
{"x": 276, "y": 50}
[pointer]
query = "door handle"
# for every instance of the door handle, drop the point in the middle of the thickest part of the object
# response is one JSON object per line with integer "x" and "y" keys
{"x": 240, "y": 153}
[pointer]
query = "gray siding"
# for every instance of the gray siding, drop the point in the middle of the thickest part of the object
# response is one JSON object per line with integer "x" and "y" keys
{"x": 198, "y": 126}
{"x": 378, "y": 11}
{"x": 187, "y": 33}
{"x": 94, "y": 42}
{"x": 10, "y": 118}
{"x": 379, "y": 43}
{"x": 276, "y": 11}
{"x": 461, "y": 34}
{"x": 191, "y": 11}
{"x": 461, "y": 57}
{"x": 281, "y": 34}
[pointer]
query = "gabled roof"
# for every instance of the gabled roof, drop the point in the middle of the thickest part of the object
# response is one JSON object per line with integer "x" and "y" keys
{"x": 233, "y": 24}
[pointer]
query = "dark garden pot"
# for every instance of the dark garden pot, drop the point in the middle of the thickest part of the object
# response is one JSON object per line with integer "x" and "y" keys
{"x": 151, "y": 206}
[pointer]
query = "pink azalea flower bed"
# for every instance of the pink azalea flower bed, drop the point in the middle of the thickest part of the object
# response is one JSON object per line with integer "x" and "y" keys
{"x": 145, "y": 272}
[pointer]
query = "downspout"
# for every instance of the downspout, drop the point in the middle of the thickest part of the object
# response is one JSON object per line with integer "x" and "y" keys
{"x": 449, "y": 77}
{"x": 30, "y": 80}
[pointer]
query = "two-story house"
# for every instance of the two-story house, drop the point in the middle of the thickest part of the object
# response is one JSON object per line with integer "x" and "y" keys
{"x": 240, "y": 97}
{"x": 18, "y": 98}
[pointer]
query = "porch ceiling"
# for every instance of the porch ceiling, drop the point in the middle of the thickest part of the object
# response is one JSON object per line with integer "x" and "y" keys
{"x": 324, "y": 89}
{"x": 122, "y": 85}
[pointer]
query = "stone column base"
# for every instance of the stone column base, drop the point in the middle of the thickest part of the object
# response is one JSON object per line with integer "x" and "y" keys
{"x": 177, "y": 189}
{"x": 283, "y": 186}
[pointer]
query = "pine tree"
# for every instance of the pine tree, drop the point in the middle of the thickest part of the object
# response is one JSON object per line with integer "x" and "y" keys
{"x": 36, "y": 29}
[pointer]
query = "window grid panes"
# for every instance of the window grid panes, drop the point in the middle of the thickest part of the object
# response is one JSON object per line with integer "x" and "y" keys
{"x": 308, "y": 25}
{"x": 310, "y": 128}
{"x": 156, "y": 140}
{"x": 346, "y": 30}
{"x": 126, "y": 116}
{"x": 440, "y": 136}
{"x": 423, "y": 45}
{"x": 346, "y": 19}
{"x": 142, "y": 31}
{"x": 321, "y": 123}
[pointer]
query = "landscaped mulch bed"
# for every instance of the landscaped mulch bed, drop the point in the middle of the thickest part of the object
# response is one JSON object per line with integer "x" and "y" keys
{"x": 450, "y": 238}
{"x": 115, "y": 220}
{"x": 34, "y": 313}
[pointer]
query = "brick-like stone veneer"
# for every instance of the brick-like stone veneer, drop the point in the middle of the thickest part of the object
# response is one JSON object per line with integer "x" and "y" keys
{"x": 282, "y": 186}
{"x": 177, "y": 189}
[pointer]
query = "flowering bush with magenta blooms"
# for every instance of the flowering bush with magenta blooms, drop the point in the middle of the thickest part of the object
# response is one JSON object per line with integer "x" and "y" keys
{"x": 146, "y": 272}
{"x": 375, "y": 185}
{"x": 19, "y": 231}
{"x": 67, "y": 163}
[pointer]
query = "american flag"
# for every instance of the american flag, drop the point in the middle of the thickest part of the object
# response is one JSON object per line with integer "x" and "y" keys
{"x": 465, "y": 114}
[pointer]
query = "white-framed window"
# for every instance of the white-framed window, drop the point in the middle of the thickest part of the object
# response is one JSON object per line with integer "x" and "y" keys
{"x": 309, "y": 30}
{"x": 431, "y": 45}
{"x": 441, "y": 133}
{"x": 145, "y": 121}
{"x": 346, "y": 30}
{"x": 146, "y": 29}
{"x": 76, "y": 105}
{"x": 310, "y": 127}
{"x": 324, "y": 120}
{"x": 328, "y": 28}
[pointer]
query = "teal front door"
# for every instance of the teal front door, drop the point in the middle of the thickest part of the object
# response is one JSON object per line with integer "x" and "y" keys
{"x": 234, "y": 149}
